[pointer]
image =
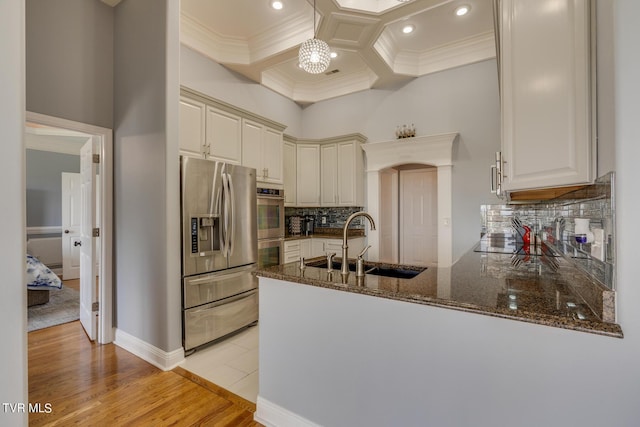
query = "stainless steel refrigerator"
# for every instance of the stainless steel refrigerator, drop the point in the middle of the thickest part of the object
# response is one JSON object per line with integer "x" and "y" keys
{"x": 219, "y": 249}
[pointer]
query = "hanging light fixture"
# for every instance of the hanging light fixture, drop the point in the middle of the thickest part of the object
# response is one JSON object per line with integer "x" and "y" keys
{"x": 314, "y": 54}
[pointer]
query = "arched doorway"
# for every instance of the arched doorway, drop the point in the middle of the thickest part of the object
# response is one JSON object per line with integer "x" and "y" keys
{"x": 433, "y": 150}
{"x": 408, "y": 215}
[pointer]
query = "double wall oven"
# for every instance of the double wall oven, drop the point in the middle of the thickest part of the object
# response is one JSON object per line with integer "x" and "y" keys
{"x": 270, "y": 206}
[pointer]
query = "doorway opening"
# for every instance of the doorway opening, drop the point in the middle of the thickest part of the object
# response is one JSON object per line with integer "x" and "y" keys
{"x": 431, "y": 150}
{"x": 85, "y": 234}
{"x": 409, "y": 215}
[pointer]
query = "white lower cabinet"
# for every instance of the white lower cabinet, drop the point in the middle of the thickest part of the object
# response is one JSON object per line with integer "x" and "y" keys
{"x": 291, "y": 251}
{"x": 294, "y": 249}
{"x": 320, "y": 246}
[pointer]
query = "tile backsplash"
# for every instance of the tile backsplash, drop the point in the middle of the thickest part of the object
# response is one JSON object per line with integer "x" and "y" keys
{"x": 554, "y": 223}
{"x": 326, "y": 217}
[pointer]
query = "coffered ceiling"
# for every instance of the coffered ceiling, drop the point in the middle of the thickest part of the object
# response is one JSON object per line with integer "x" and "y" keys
{"x": 261, "y": 43}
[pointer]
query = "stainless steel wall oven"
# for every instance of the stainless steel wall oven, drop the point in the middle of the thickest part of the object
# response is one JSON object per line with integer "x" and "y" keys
{"x": 270, "y": 205}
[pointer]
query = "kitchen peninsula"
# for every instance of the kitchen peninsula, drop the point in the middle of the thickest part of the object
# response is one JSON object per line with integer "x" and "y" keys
{"x": 359, "y": 344}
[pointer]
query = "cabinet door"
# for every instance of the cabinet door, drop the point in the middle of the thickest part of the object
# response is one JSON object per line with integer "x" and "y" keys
{"x": 350, "y": 170}
{"x": 272, "y": 155}
{"x": 334, "y": 246}
{"x": 329, "y": 175}
{"x": 192, "y": 127}
{"x": 289, "y": 173}
{"x": 305, "y": 248}
{"x": 308, "y": 174}
{"x": 317, "y": 247}
{"x": 252, "y": 146}
{"x": 224, "y": 135}
{"x": 546, "y": 86}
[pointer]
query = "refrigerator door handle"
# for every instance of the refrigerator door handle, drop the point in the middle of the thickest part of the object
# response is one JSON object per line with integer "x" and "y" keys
{"x": 225, "y": 221}
{"x": 232, "y": 220}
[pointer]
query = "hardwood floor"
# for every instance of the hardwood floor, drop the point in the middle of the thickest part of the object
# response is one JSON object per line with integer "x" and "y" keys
{"x": 90, "y": 384}
{"x": 72, "y": 283}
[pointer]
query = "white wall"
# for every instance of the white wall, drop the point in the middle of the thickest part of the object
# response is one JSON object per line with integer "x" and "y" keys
{"x": 13, "y": 304}
{"x": 464, "y": 369}
{"x": 200, "y": 73}
{"x": 463, "y": 100}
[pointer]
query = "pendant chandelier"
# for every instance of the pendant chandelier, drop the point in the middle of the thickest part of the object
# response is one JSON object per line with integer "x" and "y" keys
{"x": 314, "y": 55}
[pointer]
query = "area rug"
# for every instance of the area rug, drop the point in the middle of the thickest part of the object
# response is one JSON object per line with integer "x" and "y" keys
{"x": 63, "y": 307}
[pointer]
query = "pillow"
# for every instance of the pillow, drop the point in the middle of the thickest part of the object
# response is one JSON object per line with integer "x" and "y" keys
{"x": 40, "y": 276}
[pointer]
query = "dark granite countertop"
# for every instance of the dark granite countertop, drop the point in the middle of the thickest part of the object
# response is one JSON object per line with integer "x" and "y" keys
{"x": 535, "y": 290}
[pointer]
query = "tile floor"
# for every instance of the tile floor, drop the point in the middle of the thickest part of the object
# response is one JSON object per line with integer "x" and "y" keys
{"x": 232, "y": 363}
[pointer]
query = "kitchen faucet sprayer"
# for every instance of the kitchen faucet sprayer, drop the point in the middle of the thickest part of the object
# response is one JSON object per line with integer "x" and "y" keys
{"x": 345, "y": 247}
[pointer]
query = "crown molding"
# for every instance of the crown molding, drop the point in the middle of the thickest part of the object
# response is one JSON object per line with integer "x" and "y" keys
{"x": 319, "y": 91}
{"x": 467, "y": 51}
{"x": 220, "y": 49}
{"x": 283, "y": 37}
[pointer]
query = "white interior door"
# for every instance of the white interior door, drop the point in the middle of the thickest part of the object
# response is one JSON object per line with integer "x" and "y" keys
{"x": 71, "y": 197}
{"x": 388, "y": 216}
{"x": 88, "y": 282}
{"x": 419, "y": 217}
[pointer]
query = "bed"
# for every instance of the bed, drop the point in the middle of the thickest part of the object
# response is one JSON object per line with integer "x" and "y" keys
{"x": 40, "y": 279}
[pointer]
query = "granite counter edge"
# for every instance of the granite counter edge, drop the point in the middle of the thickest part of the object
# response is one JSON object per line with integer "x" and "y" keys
{"x": 599, "y": 328}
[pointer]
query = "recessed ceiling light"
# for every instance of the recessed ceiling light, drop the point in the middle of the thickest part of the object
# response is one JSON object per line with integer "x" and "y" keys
{"x": 408, "y": 29}
{"x": 462, "y": 10}
{"x": 333, "y": 54}
{"x": 277, "y": 5}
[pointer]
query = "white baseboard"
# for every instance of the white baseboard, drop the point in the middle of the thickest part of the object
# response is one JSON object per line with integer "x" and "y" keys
{"x": 272, "y": 415}
{"x": 158, "y": 358}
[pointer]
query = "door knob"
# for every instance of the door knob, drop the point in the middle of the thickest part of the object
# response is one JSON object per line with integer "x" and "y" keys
{"x": 66, "y": 231}
{"x": 77, "y": 243}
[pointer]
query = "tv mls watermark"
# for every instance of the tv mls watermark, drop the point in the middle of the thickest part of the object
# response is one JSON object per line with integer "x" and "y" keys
{"x": 21, "y": 408}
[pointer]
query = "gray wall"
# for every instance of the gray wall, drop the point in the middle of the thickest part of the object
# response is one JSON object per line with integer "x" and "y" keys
{"x": 463, "y": 100}
{"x": 147, "y": 257}
{"x": 207, "y": 76}
{"x": 44, "y": 189}
{"x": 13, "y": 304}
{"x": 70, "y": 60}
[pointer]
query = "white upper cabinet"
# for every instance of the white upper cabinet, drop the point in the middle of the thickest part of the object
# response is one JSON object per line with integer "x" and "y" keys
{"x": 289, "y": 168}
{"x": 224, "y": 135}
{"x": 329, "y": 175}
{"x": 272, "y": 156}
{"x": 342, "y": 173}
{"x": 546, "y": 77}
{"x": 308, "y": 175}
{"x": 262, "y": 150}
{"x": 350, "y": 185}
{"x": 329, "y": 172}
{"x": 192, "y": 128}
{"x": 215, "y": 129}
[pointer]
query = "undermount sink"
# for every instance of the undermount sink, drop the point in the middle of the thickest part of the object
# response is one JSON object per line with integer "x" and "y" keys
{"x": 374, "y": 269}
